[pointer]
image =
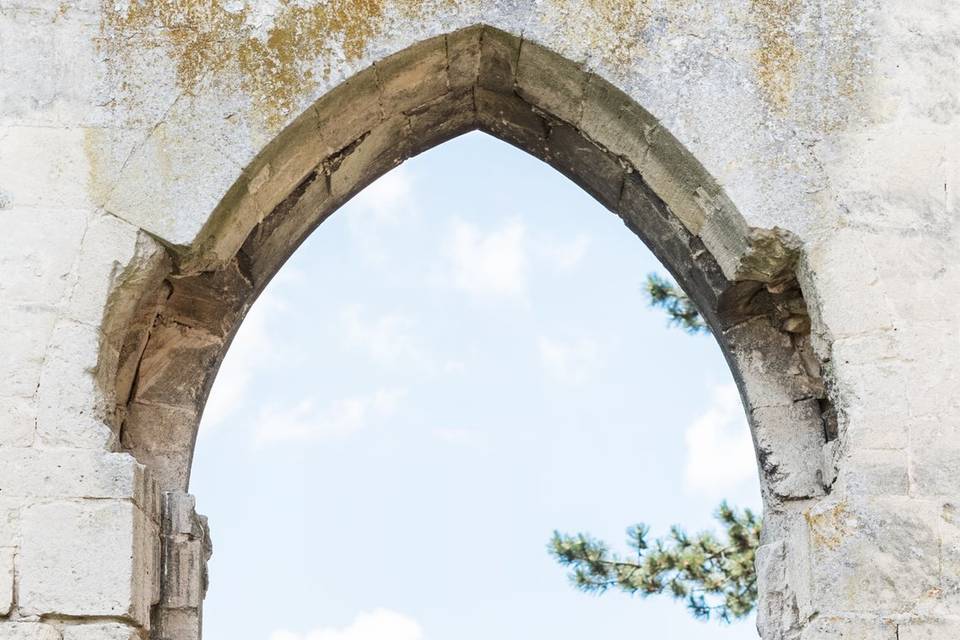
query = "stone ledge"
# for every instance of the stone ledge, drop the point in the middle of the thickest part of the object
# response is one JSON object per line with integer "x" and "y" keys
{"x": 76, "y": 473}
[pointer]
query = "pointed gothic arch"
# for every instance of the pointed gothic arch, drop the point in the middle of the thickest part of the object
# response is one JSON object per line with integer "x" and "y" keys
{"x": 742, "y": 279}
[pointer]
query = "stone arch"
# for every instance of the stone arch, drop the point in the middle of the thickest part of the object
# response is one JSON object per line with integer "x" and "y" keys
{"x": 742, "y": 279}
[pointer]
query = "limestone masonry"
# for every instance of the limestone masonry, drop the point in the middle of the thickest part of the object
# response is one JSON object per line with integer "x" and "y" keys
{"x": 794, "y": 163}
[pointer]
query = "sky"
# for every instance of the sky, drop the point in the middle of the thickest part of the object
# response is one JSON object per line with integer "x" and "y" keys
{"x": 455, "y": 364}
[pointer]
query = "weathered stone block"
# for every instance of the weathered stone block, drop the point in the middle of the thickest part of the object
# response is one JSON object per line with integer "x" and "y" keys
{"x": 174, "y": 347}
{"x": 87, "y": 559}
{"x": 927, "y": 353}
{"x": 897, "y": 538}
{"x": 788, "y": 440}
{"x": 875, "y": 472}
{"x": 108, "y": 631}
{"x": 551, "y": 82}
{"x": 27, "y": 166}
{"x": 10, "y": 521}
{"x": 209, "y": 302}
{"x": 413, "y": 77}
{"x": 160, "y": 436}
{"x": 72, "y": 473}
{"x": 186, "y": 549}
{"x": 72, "y": 408}
{"x": 24, "y": 332}
{"x": 146, "y": 203}
{"x": 760, "y": 349}
{"x": 870, "y": 426}
{"x": 833, "y": 627}
{"x": 28, "y": 631}
{"x": 174, "y": 624}
{"x": 615, "y": 121}
{"x": 947, "y": 599}
{"x": 589, "y": 166}
{"x": 463, "y": 58}
{"x": 180, "y": 514}
{"x": 384, "y": 148}
{"x": 928, "y": 630}
{"x": 226, "y": 229}
{"x": 678, "y": 179}
{"x": 349, "y": 111}
{"x": 268, "y": 246}
{"x": 499, "y": 54}
{"x": 441, "y": 120}
{"x": 773, "y": 611}
{"x": 286, "y": 161}
{"x": 913, "y": 271}
{"x": 6, "y": 580}
{"x": 727, "y": 236}
{"x": 18, "y": 417}
{"x": 511, "y": 119}
{"x": 184, "y": 583}
{"x": 844, "y": 265}
{"x": 647, "y": 216}
{"x": 112, "y": 251}
{"x": 38, "y": 252}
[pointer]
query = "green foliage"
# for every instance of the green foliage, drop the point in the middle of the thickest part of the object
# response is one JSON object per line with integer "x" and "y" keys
{"x": 680, "y": 309}
{"x": 715, "y": 577}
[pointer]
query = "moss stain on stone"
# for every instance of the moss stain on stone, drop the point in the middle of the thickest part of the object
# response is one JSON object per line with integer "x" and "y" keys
{"x": 300, "y": 47}
{"x": 777, "y": 55}
{"x": 828, "y": 528}
{"x": 612, "y": 28}
{"x": 97, "y": 185}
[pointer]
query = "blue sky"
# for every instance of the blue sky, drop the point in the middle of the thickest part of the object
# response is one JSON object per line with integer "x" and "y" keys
{"x": 458, "y": 362}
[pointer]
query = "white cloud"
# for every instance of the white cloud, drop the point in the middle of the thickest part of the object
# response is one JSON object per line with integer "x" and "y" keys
{"x": 488, "y": 264}
{"x": 379, "y": 624}
{"x": 305, "y": 422}
{"x": 719, "y": 449}
{"x": 388, "y": 339}
{"x": 388, "y": 196}
{"x": 564, "y": 255}
{"x": 252, "y": 347}
{"x": 383, "y": 203}
{"x": 570, "y": 362}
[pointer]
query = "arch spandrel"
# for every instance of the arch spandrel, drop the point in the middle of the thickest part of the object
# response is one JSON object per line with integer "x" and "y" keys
{"x": 195, "y": 106}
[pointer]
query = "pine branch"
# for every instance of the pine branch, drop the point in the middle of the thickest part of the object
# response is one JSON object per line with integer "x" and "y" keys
{"x": 715, "y": 578}
{"x": 679, "y": 307}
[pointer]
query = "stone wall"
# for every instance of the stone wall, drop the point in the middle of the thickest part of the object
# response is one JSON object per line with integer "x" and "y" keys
{"x": 792, "y": 162}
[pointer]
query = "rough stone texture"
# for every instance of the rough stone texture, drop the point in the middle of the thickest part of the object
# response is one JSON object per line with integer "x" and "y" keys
{"x": 28, "y": 631}
{"x": 73, "y": 473}
{"x": 851, "y": 628}
{"x": 112, "y": 631}
{"x": 186, "y": 550}
{"x": 926, "y": 631}
{"x": 793, "y": 164}
{"x": 94, "y": 558}
{"x": 6, "y": 580}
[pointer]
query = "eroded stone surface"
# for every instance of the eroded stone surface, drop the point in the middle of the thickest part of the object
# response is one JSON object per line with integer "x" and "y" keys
{"x": 110, "y": 631}
{"x": 105, "y": 547}
{"x": 6, "y": 580}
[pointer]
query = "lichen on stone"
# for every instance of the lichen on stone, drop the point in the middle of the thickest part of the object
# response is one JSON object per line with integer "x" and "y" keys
{"x": 613, "y": 29}
{"x": 777, "y": 54}
{"x": 277, "y": 66}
